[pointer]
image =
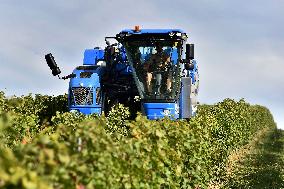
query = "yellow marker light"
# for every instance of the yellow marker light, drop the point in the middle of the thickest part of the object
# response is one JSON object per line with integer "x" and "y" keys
{"x": 137, "y": 28}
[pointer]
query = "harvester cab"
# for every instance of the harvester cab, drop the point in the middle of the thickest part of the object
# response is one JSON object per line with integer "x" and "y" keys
{"x": 164, "y": 70}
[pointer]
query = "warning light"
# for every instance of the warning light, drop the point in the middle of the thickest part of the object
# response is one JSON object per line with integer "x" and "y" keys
{"x": 137, "y": 28}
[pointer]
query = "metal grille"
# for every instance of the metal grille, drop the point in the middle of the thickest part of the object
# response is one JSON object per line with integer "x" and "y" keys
{"x": 82, "y": 96}
{"x": 98, "y": 95}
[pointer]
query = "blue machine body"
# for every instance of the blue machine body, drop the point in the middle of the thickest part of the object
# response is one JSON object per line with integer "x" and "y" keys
{"x": 161, "y": 110}
{"x": 82, "y": 92}
{"x": 103, "y": 70}
{"x": 92, "y": 56}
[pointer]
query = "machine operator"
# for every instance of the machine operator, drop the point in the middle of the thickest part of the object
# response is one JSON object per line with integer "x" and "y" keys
{"x": 157, "y": 67}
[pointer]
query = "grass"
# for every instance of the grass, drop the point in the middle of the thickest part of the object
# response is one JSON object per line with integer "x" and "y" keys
{"x": 263, "y": 166}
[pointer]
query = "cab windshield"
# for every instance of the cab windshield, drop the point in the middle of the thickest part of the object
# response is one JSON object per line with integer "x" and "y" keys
{"x": 156, "y": 68}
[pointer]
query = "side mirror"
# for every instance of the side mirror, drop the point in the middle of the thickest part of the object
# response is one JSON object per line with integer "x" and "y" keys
{"x": 189, "y": 53}
{"x": 52, "y": 64}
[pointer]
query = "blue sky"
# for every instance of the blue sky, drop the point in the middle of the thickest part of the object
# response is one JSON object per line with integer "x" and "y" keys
{"x": 238, "y": 44}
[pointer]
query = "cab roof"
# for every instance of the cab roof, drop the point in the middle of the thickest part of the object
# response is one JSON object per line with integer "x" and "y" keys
{"x": 153, "y": 31}
{"x": 153, "y": 34}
